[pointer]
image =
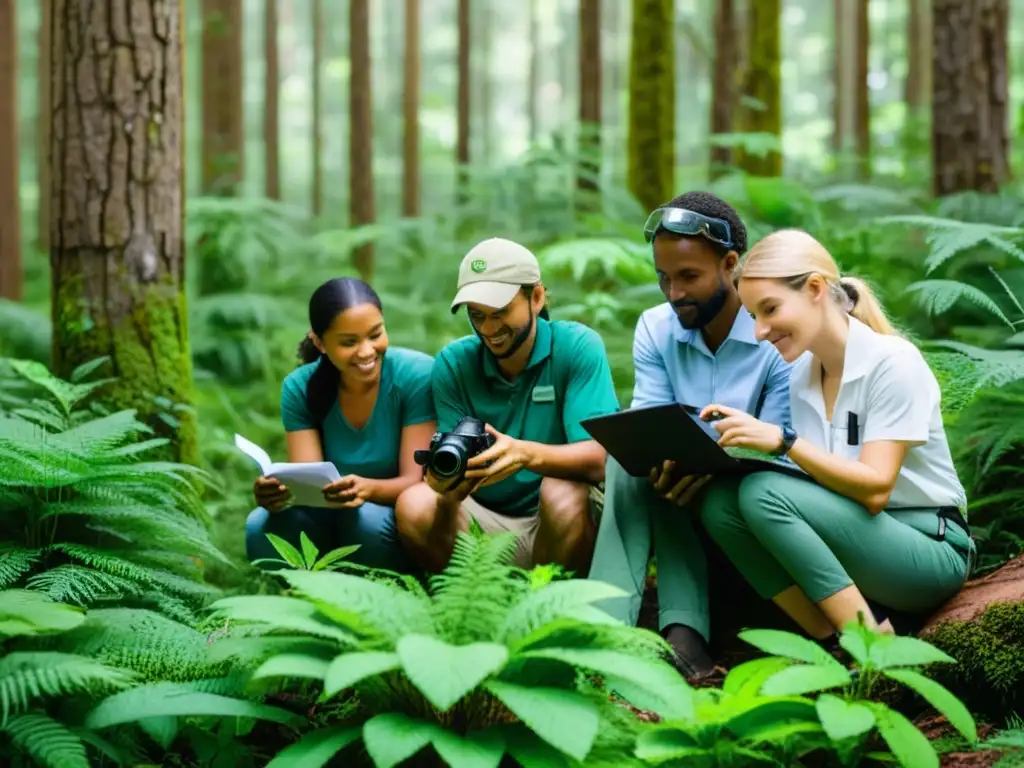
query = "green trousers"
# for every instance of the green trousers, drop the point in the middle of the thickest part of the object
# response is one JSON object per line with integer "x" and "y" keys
{"x": 780, "y": 530}
{"x": 635, "y": 515}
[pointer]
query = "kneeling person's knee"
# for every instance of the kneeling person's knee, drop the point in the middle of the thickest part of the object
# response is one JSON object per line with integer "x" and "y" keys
{"x": 415, "y": 509}
{"x": 564, "y": 503}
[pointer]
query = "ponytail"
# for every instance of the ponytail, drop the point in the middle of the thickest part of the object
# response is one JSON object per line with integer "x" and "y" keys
{"x": 865, "y": 306}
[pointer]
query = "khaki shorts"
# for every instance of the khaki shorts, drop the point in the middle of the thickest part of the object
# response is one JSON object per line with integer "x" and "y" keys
{"x": 525, "y": 527}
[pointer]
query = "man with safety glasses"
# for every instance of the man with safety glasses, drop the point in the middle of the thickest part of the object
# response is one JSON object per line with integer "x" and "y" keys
{"x": 697, "y": 348}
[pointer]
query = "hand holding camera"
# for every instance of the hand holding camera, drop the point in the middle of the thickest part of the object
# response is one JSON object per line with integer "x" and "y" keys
{"x": 472, "y": 455}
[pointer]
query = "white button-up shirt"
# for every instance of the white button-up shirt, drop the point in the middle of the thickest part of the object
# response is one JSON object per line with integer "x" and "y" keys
{"x": 893, "y": 395}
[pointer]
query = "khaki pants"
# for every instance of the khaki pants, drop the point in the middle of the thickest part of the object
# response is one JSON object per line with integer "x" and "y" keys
{"x": 525, "y": 527}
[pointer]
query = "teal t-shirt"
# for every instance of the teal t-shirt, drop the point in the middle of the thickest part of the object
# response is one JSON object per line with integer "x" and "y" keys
{"x": 372, "y": 451}
{"x": 566, "y": 380}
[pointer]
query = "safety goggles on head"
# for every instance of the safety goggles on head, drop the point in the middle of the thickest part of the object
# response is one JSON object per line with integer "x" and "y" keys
{"x": 683, "y": 222}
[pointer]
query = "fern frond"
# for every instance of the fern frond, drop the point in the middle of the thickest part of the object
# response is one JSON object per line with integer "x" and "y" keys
{"x": 473, "y": 594}
{"x": 47, "y": 742}
{"x": 948, "y": 238}
{"x": 80, "y": 585}
{"x": 29, "y": 676}
{"x": 98, "y": 438}
{"x": 937, "y": 297}
{"x": 996, "y": 367}
{"x": 145, "y": 642}
{"x": 556, "y": 600}
{"x": 107, "y": 562}
{"x": 15, "y": 562}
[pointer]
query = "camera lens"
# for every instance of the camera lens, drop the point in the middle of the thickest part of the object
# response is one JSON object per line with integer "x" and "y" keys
{"x": 447, "y": 461}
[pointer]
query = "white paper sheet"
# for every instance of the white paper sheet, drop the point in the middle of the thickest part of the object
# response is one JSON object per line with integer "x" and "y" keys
{"x": 305, "y": 480}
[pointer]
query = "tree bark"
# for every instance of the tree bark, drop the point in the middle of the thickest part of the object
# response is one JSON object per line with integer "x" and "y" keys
{"x": 652, "y": 92}
{"x": 462, "y": 106}
{"x": 762, "y": 83}
{"x": 222, "y": 91}
{"x": 970, "y": 97}
{"x": 43, "y": 143}
{"x": 590, "y": 97}
{"x": 318, "y": 107}
{"x": 10, "y": 195}
{"x": 271, "y": 114}
{"x": 411, "y": 112}
{"x": 360, "y": 145}
{"x": 862, "y": 121}
{"x": 533, "y": 84}
{"x": 918, "y": 56}
{"x": 117, "y": 258}
{"x": 724, "y": 82}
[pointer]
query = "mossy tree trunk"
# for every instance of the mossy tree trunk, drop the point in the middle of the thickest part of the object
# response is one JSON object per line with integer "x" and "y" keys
{"x": 10, "y": 208}
{"x": 271, "y": 111}
{"x": 724, "y": 82}
{"x": 411, "y": 111}
{"x": 43, "y": 141}
{"x": 652, "y": 101}
{"x": 462, "y": 102}
{"x": 761, "y": 90}
{"x": 970, "y": 95}
{"x": 222, "y": 93}
{"x": 590, "y": 103}
{"x": 318, "y": 108}
{"x": 117, "y": 257}
{"x": 360, "y": 135}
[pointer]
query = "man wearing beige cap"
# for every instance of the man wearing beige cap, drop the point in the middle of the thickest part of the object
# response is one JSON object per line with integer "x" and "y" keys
{"x": 531, "y": 380}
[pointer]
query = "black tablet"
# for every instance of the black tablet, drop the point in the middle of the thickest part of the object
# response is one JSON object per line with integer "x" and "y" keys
{"x": 643, "y": 438}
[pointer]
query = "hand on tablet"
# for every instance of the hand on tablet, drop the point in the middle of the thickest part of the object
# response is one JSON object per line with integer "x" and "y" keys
{"x": 740, "y": 429}
{"x": 679, "y": 490}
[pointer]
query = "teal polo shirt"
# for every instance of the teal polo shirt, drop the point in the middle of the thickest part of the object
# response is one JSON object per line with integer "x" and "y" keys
{"x": 373, "y": 451}
{"x": 566, "y": 380}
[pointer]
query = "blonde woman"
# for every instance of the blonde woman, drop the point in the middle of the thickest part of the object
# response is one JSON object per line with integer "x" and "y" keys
{"x": 881, "y": 515}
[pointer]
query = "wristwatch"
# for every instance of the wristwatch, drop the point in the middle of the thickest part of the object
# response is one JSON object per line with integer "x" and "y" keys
{"x": 788, "y": 438}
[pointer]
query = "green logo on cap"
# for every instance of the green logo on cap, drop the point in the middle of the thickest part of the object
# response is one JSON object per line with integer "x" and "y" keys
{"x": 478, "y": 266}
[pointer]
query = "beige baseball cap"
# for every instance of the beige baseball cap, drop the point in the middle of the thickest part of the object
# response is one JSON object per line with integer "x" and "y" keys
{"x": 493, "y": 272}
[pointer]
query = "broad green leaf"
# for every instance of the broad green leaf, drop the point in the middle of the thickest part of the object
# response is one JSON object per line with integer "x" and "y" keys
{"x": 292, "y": 665}
{"x": 889, "y": 651}
{"x": 392, "y": 738}
{"x": 477, "y": 749}
{"x": 940, "y": 698}
{"x": 530, "y": 751}
{"x": 668, "y": 743}
{"x": 842, "y": 719}
{"x": 349, "y": 668}
{"x": 788, "y": 645}
{"x": 445, "y": 673}
{"x": 285, "y": 550}
{"x": 908, "y": 745}
{"x": 855, "y": 643}
{"x": 161, "y": 729}
{"x": 755, "y": 714}
{"x": 659, "y": 679}
{"x": 564, "y": 719}
{"x": 316, "y": 747}
{"x": 281, "y": 612}
{"x": 781, "y": 733}
{"x": 309, "y": 550}
{"x": 804, "y": 678}
{"x": 29, "y": 612}
{"x": 164, "y": 699}
{"x": 334, "y": 556}
{"x": 747, "y": 678}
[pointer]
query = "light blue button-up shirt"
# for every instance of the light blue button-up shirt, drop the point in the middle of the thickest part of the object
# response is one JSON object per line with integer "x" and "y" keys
{"x": 674, "y": 365}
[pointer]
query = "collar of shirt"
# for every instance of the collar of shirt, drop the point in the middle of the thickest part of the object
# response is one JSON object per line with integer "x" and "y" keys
{"x": 742, "y": 331}
{"x": 541, "y": 351}
{"x": 858, "y": 361}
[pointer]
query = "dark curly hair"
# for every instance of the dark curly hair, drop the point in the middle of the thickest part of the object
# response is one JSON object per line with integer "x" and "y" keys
{"x": 711, "y": 205}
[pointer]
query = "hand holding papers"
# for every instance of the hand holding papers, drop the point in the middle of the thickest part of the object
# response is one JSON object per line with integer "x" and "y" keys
{"x": 305, "y": 480}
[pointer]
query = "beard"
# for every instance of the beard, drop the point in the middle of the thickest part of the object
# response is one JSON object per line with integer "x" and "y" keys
{"x": 519, "y": 337}
{"x": 704, "y": 311}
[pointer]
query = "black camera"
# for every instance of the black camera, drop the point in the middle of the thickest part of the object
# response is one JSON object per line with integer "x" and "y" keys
{"x": 449, "y": 451}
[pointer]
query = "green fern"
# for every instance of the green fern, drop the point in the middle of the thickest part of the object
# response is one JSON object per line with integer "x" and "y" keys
{"x": 46, "y": 741}
{"x": 949, "y": 238}
{"x": 488, "y": 655}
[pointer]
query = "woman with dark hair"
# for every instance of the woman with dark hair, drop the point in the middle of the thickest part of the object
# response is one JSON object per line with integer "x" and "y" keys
{"x": 365, "y": 408}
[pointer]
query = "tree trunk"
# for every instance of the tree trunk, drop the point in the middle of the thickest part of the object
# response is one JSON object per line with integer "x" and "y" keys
{"x": 222, "y": 92}
{"x": 533, "y": 84}
{"x": 462, "y": 107}
{"x": 10, "y": 196}
{"x": 117, "y": 258}
{"x": 590, "y": 98}
{"x": 761, "y": 83}
{"x": 411, "y": 112}
{"x": 918, "y": 56}
{"x": 271, "y": 85}
{"x": 862, "y": 120}
{"x": 724, "y": 83}
{"x": 360, "y": 143}
{"x": 318, "y": 108}
{"x": 43, "y": 140}
{"x": 970, "y": 125}
{"x": 652, "y": 92}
